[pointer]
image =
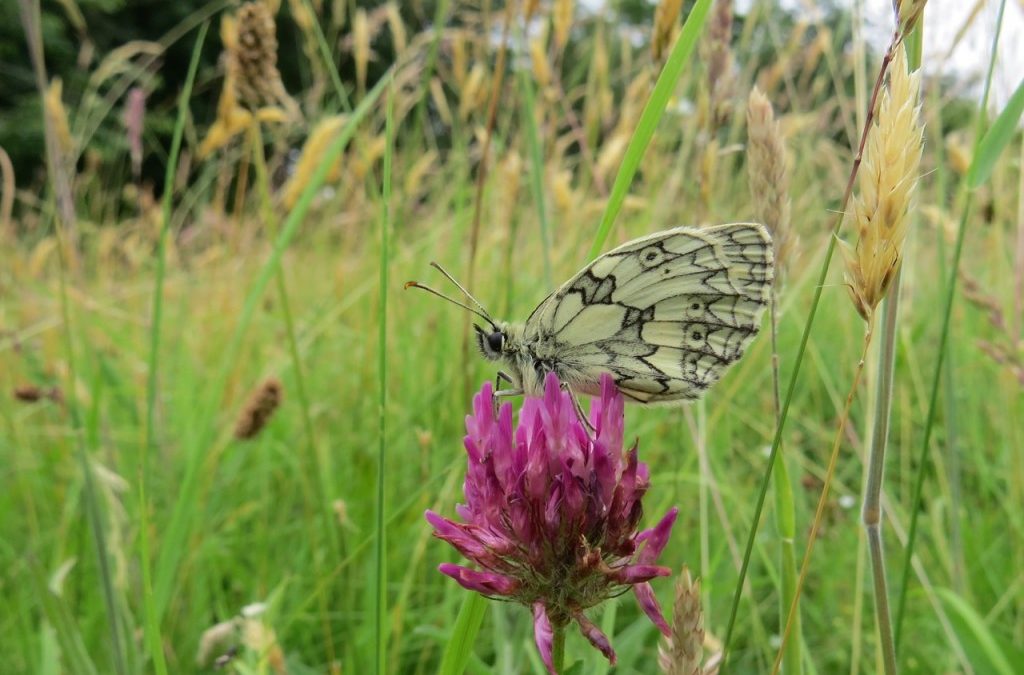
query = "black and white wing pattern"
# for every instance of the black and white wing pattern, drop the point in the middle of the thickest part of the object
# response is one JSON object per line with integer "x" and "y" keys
{"x": 665, "y": 315}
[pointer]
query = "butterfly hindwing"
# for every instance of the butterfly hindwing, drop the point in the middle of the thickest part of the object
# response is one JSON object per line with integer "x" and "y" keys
{"x": 665, "y": 314}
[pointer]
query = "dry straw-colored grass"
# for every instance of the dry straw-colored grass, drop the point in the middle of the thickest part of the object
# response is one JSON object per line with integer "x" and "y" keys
{"x": 313, "y": 151}
{"x": 768, "y": 174}
{"x": 666, "y": 24}
{"x": 683, "y": 651}
{"x": 886, "y": 184}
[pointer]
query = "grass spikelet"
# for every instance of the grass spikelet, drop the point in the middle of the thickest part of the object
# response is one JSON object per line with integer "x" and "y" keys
{"x": 666, "y": 24}
{"x": 682, "y": 652}
{"x": 907, "y": 13}
{"x": 718, "y": 56}
{"x": 361, "y": 46}
{"x": 254, "y": 59}
{"x": 396, "y": 27}
{"x": 474, "y": 93}
{"x": 53, "y": 102}
{"x": 460, "y": 61}
{"x": 312, "y": 151}
{"x": 767, "y": 173}
{"x": 259, "y": 409}
{"x": 413, "y": 182}
{"x": 440, "y": 101}
{"x": 561, "y": 21}
{"x": 7, "y": 196}
{"x": 539, "y": 59}
{"x": 958, "y": 154}
{"x": 886, "y": 186}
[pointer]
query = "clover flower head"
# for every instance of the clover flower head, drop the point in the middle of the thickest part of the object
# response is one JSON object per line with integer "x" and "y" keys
{"x": 551, "y": 512}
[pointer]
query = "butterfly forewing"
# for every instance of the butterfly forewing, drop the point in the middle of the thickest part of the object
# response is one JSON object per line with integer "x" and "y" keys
{"x": 665, "y": 314}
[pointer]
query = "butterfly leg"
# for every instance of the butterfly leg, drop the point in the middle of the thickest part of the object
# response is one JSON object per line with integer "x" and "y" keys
{"x": 580, "y": 413}
{"x": 503, "y": 393}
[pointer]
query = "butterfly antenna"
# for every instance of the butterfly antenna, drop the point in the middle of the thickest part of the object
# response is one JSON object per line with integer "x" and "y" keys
{"x": 469, "y": 295}
{"x": 428, "y": 289}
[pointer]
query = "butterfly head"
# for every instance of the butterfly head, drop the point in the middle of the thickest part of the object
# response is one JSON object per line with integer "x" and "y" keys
{"x": 491, "y": 340}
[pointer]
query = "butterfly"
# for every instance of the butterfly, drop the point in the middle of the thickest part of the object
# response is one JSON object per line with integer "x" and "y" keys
{"x": 665, "y": 315}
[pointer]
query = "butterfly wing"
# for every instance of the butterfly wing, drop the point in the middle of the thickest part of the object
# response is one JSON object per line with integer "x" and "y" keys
{"x": 665, "y": 315}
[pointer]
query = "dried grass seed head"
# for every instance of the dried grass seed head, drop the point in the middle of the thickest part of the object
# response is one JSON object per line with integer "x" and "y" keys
{"x": 666, "y": 23}
{"x": 683, "y": 650}
{"x": 253, "y": 57}
{"x": 886, "y": 183}
{"x": 768, "y": 174}
{"x": 259, "y": 409}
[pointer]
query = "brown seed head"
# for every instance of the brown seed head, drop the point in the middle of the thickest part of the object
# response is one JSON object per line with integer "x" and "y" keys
{"x": 259, "y": 409}
{"x": 253, "y": 58}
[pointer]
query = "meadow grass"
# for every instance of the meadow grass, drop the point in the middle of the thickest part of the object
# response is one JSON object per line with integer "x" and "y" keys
{"x": 130, "y": 477}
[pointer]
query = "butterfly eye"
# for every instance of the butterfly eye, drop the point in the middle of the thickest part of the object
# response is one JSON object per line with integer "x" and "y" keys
{"x": 495, "y": 341}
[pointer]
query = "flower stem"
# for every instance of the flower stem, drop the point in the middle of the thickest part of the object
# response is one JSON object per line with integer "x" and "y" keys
{"x": 558, "y": 647}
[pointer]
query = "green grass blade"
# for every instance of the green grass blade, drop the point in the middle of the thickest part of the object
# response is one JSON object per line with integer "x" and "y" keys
{"x": 467, "y": 625}
{"x": 987, "y": 656}
{"x": 947, "y": 313}
{"x": 649, "y": 118}
{"x": 995, "y": 140}
{"x": 153, "y": 638}
{"x": 536, "y": 170}
{"x": 73, "y": 652}
{"x": 380, "y": 610}
{"x": 178, "y": 527}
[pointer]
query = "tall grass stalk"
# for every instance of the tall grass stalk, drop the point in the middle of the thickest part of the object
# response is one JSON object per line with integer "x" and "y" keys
{"x": 320, "y": 469}
{"x": 380, "y": 596}
{"x": 947, "y": 311}
{"x": 801, "y": 350}
{"x": 180, "y": 522}
{"x": 823, "y": 498}
{"x": 872, "y": 505}
{"x": 536, "y": 171}
{"x": 65, "y": 229}
{"x": 153, "y": 636}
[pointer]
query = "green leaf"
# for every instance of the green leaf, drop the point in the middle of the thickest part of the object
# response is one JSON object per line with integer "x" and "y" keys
{"x": 996, "y": 139}
{"x": 980, "y": 643}
{"x": 467, "y": 625}
{"x": 649, "y": 118}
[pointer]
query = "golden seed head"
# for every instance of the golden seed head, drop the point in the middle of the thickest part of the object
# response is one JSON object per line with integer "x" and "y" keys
{"x": 767, "y": 173}
{"x": 666, "y": 23}
{"x": 361, "y": 45}
{"x": 886, "y": 183}
{"x": 259, "y": 409}
{"x": 460, "y": 60}
{"x": 539, "y": 59}
{"x": 397, "y": 27}
{"x": 561, "y": 21}
{"x": 683, "y": 651}
{"x": 53, "y": 104}
{"x": 312, "y": 153}
{"x": 958, "y": 154}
